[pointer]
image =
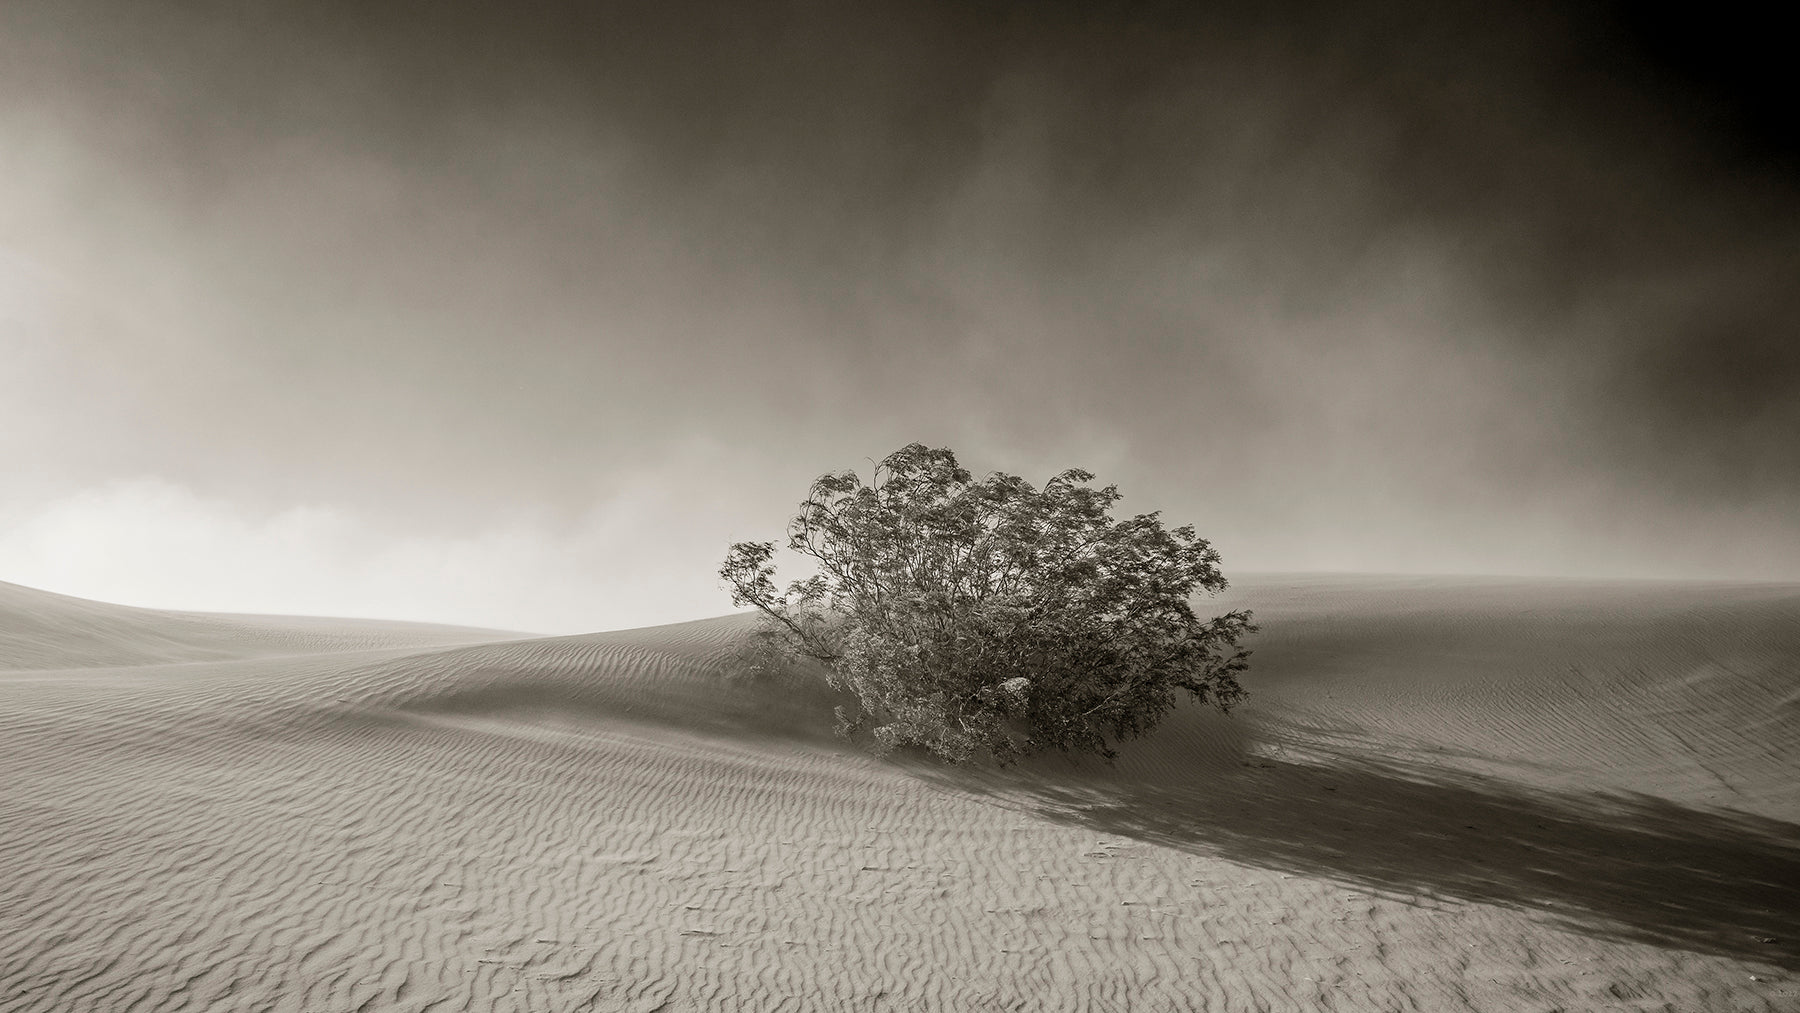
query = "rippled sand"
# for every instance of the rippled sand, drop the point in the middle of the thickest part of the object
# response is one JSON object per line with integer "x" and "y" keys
{"x": 1443, "y": 795}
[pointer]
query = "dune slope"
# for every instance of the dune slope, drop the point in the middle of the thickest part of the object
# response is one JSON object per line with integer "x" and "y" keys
{"x": 43, "y": 630}
{"x": 1442, "y": 795}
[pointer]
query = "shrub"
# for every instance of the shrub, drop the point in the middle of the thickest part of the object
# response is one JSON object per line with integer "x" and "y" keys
{"x": 991, "y": 618}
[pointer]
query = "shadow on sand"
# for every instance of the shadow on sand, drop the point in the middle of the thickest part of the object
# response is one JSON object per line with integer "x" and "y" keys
{"x": 1620, "y": 867}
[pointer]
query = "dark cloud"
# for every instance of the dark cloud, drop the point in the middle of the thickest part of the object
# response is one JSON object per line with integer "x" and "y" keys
{"x": 1430, "y": 285}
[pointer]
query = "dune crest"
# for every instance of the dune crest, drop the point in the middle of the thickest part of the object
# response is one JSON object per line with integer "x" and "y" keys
{"x": 45, "y": 630}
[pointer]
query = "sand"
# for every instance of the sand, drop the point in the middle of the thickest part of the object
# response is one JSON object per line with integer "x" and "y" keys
{"x": 1442, "y": 795}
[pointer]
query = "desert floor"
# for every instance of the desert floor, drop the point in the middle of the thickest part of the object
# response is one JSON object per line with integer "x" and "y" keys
{"x": 1443, "y": 794}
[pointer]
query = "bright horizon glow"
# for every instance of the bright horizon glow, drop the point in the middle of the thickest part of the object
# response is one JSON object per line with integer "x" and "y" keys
{"x": 153, "y": 544}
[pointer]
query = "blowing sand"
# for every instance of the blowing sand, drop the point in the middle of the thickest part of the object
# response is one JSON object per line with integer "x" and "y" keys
{"x": 1442, "y": 795}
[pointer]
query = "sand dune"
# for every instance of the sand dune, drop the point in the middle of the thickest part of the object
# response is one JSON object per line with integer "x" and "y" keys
{"x": 1443, "y": 795}
{"x": 41, "y": 630}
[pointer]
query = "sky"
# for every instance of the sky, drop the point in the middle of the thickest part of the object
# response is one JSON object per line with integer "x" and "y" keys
{"x": 518, "y": 315}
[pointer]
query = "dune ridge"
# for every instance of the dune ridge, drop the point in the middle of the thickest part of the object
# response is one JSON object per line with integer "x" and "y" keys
{"x": 45, "y": 630}
{"x": 1442, "y": 795}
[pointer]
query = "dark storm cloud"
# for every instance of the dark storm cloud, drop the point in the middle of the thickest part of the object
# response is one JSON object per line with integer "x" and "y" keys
{"x": 1424, "y": 286}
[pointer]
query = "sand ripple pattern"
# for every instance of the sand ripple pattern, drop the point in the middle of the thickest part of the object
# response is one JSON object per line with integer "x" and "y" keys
{"x": 616, "y": 822}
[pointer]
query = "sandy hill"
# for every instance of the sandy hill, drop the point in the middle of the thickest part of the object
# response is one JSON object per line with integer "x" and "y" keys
{"x": 42, "y": 630}
{"x": 1443, "y": 794}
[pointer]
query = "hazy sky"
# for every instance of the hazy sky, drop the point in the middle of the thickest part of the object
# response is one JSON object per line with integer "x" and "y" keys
{"x": 518, "y": 314}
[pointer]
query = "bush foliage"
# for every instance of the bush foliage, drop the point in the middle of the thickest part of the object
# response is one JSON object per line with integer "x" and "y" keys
{"x": 991, "y": 618}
